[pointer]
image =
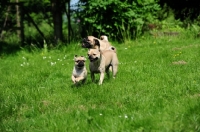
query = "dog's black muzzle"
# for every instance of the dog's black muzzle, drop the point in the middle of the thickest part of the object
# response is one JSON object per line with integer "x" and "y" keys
{"x": 80, "y": 64}
{"x": 85, "y": 43}
{"x": 92, "y": 59}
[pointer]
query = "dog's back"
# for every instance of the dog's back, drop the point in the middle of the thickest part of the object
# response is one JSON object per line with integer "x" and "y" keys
{"x": 110, "y": 57}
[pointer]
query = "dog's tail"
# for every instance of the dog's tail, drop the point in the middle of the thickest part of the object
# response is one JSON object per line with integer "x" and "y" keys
{"x": 104, "y": 37}
{"x": 113, "y": 48}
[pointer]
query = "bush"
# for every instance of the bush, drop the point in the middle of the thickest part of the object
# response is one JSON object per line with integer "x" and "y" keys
{"x": 120, "y": 20}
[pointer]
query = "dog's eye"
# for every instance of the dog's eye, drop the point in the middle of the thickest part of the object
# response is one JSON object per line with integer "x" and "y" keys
{"x": 94, "y": 54}
{"x": 80, "y": 61}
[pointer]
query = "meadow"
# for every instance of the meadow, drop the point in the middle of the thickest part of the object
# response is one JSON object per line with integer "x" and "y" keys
{"x": 157, "y": 88}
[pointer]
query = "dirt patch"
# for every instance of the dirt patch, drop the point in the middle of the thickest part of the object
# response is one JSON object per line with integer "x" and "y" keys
{"x": 166, "y": 33}
{"x": 186, "y": 47}
{"x": 181, "y": 62}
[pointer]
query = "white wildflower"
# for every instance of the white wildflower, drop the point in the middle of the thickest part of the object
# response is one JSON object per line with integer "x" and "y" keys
{"x": 53, "y": 63}
{"x": 126, "y": 116}
{"x": 65, "y": 57}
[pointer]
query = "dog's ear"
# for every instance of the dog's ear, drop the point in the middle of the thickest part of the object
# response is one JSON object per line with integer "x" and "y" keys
{"x": 84, "y": 58}
{"x": 97, "y": 43}
{"x": 75, "y": 56}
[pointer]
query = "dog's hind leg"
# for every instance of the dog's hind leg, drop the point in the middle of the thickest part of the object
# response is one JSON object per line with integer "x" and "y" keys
{"x": 114, "y": 69}
{"x": 107, "y": 71}
{"x": 101, "y": 78}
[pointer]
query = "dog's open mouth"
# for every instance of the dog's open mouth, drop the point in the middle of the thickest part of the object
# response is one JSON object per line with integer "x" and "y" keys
{"x": 93, "y": 59}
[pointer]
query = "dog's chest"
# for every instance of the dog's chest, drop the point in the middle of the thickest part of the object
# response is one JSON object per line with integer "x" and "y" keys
{"x": 97, "y": 67}
{"x": 94, "y": 68}
{"x": 78, "y": 72}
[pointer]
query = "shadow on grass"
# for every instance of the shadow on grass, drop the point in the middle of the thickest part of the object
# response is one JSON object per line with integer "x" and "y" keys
{"x": 8, "y": 48}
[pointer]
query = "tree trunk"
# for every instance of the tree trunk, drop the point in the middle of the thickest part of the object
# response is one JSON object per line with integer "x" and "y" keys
{"x": 68, "y": 14}
{"x": 5, "y": 22}
{"x": 57, "y": 19}
{"x": 69, "y": 24}
{"x": 18, "y": 19}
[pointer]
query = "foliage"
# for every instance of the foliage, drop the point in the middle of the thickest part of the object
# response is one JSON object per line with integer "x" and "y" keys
{"x": 183, "y": 9}
{"x": 156, "y": 89}
{"x": 119, "y": 19}
{"x": 116, "y": 18}
{"x": 40, "y": 13}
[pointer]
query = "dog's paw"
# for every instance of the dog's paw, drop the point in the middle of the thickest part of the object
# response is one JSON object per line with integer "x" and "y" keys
{"x": 77, "y": 80}
{"x": 74, "y": 81}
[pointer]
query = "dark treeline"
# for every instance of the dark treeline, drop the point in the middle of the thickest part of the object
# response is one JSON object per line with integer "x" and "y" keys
{"x": 119, "y": 19}
{"x": 183, "y": 9}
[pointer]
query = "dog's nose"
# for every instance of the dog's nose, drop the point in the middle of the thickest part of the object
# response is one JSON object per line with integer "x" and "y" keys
{"x": 89, "y": 56}
{"x": 81, "y": 63}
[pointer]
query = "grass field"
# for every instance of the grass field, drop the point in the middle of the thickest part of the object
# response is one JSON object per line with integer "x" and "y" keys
{"x": 157, "y": 88}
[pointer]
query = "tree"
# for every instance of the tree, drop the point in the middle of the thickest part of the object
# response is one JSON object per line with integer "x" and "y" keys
{"x": 120, "y": 19}
{"x": 57, "y": 19}
{"x": 37, "y": 12}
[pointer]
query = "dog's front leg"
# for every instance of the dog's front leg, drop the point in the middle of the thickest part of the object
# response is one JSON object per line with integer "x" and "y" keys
{"x": 79, "y": 79}
{"x": 92, "y": 76}
{"x": 73, "y": 79}
{"x": 101, "y": 78}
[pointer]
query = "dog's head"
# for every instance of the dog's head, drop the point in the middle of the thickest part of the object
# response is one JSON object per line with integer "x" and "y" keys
{"x": 94, "y": 54}
{"x": 90, "y": 42}
{"x": 79, "y": 61}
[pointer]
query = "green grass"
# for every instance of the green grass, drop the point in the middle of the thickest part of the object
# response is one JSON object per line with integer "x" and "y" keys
{"x": 157, "y": 88}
